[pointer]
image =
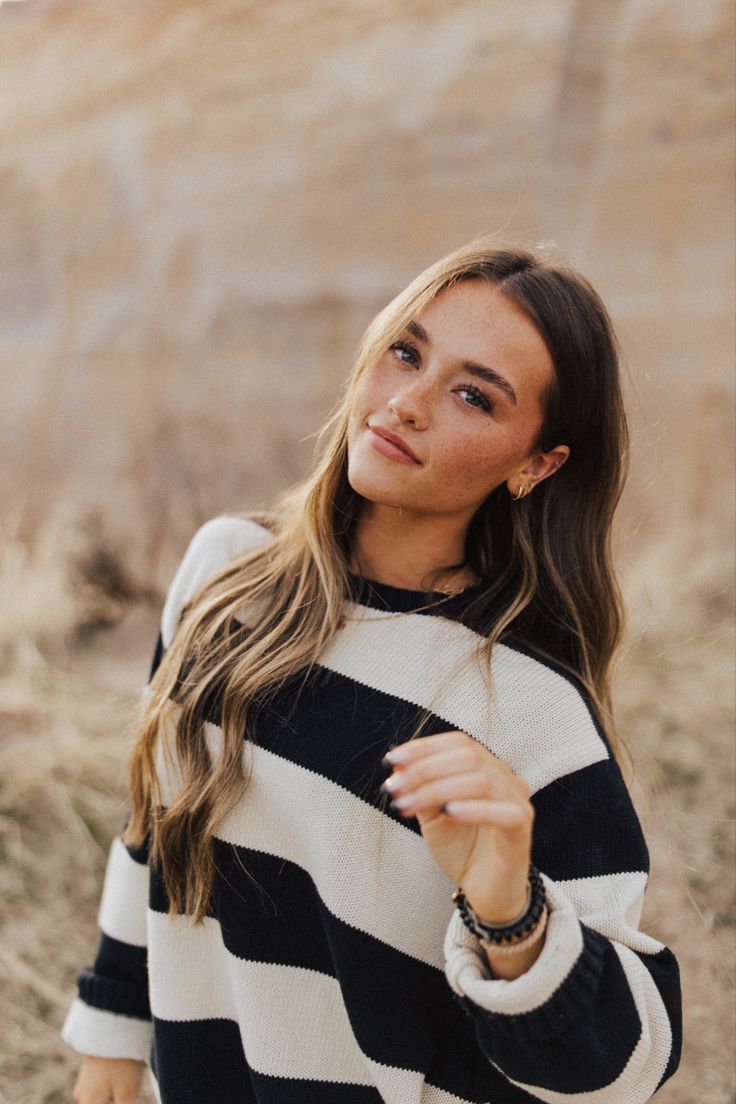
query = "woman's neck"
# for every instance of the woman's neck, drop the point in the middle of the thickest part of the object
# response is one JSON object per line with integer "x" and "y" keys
{"x": 402, "y": 550}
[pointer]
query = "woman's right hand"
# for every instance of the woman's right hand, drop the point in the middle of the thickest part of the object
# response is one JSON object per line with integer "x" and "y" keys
{"x": 108, "y": 1081}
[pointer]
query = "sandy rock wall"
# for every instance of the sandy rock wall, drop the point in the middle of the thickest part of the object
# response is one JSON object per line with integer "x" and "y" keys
{"x": 204, "y": 205}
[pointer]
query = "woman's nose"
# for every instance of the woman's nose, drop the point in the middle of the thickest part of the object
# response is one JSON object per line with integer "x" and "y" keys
{"x": 412, "y": 403}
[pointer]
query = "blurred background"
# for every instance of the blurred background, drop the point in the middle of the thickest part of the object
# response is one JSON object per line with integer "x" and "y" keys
{"x": 203, "y": 206}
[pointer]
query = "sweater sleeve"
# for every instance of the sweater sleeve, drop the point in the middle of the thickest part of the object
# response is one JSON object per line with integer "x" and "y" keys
{"x": 111, "y": 1016}
{"x": 597, "y": 1017}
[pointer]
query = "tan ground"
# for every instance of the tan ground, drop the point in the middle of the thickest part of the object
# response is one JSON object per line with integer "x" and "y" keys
{"x": 66, "y": 715}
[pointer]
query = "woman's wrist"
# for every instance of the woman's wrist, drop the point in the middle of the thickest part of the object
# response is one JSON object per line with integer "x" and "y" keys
{"x": 511, "y": 930}
{"x": 494, "y": 908}
{"x": 512, "y": 962}
{"x": 512, "y": 939}
{"x": 500, "y": 915}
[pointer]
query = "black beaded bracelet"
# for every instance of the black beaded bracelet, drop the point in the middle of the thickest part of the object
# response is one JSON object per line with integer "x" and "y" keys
{"x": 506, "y": 933}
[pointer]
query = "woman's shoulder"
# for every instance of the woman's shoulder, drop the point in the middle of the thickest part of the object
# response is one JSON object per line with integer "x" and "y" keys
{"x": 213, "y": 546}
{"x": 547, "y": 694}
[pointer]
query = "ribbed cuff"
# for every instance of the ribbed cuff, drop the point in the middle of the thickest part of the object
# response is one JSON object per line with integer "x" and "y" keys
{"x": 122, "y": 997}
{"x": 550, "y": 995}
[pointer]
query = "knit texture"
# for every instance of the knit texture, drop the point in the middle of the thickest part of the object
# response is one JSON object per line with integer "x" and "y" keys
{"x": 333, "y": 965}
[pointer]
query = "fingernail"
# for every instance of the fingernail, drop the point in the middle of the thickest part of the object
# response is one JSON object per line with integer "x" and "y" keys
{"x": 403, "y": 802}
{"x": 396, "y": 755}
{"x": 396, "y": 808}
{"x": 390, "y": 784}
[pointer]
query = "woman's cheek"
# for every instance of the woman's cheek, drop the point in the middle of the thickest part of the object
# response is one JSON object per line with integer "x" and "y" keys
{"x": 470, "y": 466}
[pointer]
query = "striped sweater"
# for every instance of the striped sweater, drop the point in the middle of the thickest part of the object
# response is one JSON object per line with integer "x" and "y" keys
{"x": 333, "y": 967}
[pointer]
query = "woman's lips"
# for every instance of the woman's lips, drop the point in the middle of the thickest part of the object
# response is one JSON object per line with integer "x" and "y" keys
{"x": 388, "y": 448}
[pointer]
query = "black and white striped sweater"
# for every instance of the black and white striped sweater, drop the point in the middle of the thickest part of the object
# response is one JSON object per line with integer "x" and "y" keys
{"x": 333, "y": 967}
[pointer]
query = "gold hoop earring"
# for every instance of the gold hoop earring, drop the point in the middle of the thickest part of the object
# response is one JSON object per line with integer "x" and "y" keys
{"x": 523, "y": 491}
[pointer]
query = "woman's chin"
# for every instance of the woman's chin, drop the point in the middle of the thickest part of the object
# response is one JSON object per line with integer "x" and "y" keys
{"x": 379, "y": 489}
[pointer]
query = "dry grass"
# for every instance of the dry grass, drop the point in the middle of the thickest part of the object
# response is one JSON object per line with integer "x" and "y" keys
{"x": 67, "y": 709}
{"x": 676, "y": 711}
{"x": 63, "y": 746}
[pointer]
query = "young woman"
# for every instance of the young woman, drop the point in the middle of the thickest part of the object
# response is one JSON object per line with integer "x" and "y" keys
{"x": 380, "y": 847}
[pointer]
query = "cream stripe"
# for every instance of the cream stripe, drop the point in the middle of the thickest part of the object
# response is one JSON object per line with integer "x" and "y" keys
{"x": 218, "y": 542}
{"x": 293, "y": 1022}
{"x": 432, "y": 1095}
{"x": 106, "y": 1034}
{"x": 648, "y": 1060}
{"x": 154, "y": 1087}
{"x": 612, "y": 904}
{"x": 124, "y": 901}
{"x": 371, "y": 872}
{"x": 523, "y": 721}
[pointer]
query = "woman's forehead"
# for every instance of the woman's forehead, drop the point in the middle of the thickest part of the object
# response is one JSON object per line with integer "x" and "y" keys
{"x": 475, "y": 321}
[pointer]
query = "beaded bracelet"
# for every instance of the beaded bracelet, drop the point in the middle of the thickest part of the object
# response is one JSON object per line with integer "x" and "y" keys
{"x": 526, "y": 942}
{"x": 515, "y": 932}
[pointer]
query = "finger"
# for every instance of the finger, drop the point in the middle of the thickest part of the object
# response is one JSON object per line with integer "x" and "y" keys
{"x": 500, "y": 814}
{"x": 461, "y": 759}
{"x": 440, "y": 764}
{"x": 433, "y": 794}
{"x": 414, "y": 749}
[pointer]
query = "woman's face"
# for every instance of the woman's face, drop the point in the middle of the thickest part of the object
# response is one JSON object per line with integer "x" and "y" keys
{"x": 470, "y": 428}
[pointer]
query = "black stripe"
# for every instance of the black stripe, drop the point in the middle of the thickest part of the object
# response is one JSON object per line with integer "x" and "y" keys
{"x": 157, "y": 656}
{"x": 139, "y": 854}
{"x": 289, "y": 1090}
{"x": 118, "y": 981}
{"x": 337, "y": 728}
{"x": 407, "y": 1014}
{"x": 586, "y": 825}
{"x": 665, "y": 971}
{"x": 116, "y": 959}
{"x": 581, "y": 1038}
{"x": 203, "y": 1063}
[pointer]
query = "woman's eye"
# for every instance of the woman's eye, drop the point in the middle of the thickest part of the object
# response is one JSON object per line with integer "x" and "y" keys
{"x": 483, "y": 403}
{"x": 400, "y": 347}
{"x": 404, "y": 347}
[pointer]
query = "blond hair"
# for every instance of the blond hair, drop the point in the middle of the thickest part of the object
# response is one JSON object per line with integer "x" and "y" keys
{"x": 546, "y": 560}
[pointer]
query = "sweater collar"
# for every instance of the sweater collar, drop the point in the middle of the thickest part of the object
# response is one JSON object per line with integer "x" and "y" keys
{"x": 385, "y": 596}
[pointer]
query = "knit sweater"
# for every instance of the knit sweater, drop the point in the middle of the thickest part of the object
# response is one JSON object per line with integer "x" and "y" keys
{"x": 333, "y": 966}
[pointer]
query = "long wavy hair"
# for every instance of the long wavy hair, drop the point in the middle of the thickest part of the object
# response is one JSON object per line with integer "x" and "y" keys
{"x": 545, "y": 559}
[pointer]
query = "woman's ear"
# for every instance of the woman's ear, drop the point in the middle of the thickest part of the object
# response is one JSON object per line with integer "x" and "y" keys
{"x": 539, "y": 466}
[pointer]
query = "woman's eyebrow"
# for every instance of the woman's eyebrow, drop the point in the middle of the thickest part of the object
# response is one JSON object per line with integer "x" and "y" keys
{"x": 487, "y": 374}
